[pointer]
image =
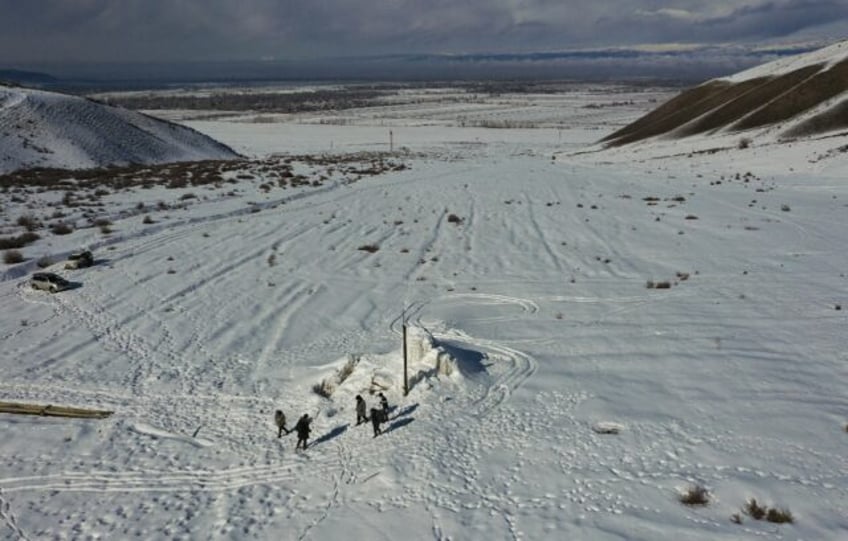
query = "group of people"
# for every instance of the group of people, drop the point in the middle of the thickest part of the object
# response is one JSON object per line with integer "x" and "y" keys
{"x": 303, "y": 428}
{"x": 378, "y": 416}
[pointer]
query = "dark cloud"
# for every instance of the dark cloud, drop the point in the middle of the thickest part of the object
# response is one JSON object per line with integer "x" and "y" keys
{"x": 224, "y": 30}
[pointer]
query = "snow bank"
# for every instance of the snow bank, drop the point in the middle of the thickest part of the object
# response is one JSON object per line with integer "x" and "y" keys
{"x": 424, "y": 354}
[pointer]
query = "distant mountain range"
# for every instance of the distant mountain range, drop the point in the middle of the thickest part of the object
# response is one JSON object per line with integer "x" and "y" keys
{"x": 679, "y": 62}
{"x": 798, "y": 96}
{"x": 47, "y": 129}
{"x": 21, "y": 77}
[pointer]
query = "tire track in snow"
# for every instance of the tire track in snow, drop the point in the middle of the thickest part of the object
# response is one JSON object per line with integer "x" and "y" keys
{"x": 520, "y": 365}
{"x": 109, "y": 332}
{"x": 540, "y": 234}
{"x": 9, "y": 517}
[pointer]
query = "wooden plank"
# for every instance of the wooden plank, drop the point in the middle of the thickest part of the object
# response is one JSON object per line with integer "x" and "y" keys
{"x": 49, "y": 410}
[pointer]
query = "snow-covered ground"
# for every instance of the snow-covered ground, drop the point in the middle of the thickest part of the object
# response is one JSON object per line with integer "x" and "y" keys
{"x": 573, "y": 402}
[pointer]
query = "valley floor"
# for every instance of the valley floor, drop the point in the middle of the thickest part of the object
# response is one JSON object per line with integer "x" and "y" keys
{"x": 528, "y": 261}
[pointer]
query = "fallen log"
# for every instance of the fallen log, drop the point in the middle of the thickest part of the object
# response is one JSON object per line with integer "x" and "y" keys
{"x": 49, "y": 410}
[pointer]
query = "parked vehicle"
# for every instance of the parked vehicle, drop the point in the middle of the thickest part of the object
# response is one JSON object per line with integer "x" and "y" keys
{"x": 79, "y": 260}
{"x": 48, "y": 281}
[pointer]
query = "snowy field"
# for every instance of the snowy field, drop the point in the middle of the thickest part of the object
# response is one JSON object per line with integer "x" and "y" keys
{"x": 554, "y": 395}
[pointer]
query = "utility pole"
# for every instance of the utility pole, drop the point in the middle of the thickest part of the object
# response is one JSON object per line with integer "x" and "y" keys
{"x": 405, "y": 379}
{"x": 391, "y": 141}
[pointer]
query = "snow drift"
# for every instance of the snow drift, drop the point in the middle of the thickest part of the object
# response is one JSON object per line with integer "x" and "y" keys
{"x": 47, "y": 129}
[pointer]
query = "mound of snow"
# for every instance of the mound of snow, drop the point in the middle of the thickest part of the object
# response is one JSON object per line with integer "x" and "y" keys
{"x": 47, "y": 129}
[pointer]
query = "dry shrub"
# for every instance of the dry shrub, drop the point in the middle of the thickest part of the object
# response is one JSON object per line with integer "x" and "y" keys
{"x": 744, "y": 143}
{"x": 348, "y": 368}
{"x": 61, "y": 228}
{"x": 328, "y": 385}
{"x": 10, "y": 257}
{"x": 44, "y": 262}
{"x": 454, "y": 219}
{"x": 11, "y": 243}
{"x": 695, "y": 495}
{"x": 325, "y": 388}
{"x": 753, "y": 509}
{"x": 29, "y": 222}
{"x": 779, "y": 516}
{"x": 736, "y": 518}
{"x": 370, "y": 248}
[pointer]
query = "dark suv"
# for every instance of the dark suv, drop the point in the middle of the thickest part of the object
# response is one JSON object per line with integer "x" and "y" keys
{"x": 80, "y": 260}
{"x": 48, "y": 282}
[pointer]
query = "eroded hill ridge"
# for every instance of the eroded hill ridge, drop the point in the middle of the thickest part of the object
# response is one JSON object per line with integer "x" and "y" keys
{"x": 801, "y": 96}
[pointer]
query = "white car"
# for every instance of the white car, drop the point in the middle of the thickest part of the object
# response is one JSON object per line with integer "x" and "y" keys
{"x": 48, "y": 281}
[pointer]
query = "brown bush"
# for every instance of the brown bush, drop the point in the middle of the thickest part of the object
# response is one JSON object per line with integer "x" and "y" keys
{"x": 11, "y": 243}
{"x": 695, "y": 495}
{"x": 10, "y": 257}
{"x": 29, "y": 222}
{"x": 61, "y": 228}
{"x": 779, "y": 516}
{"x": 753, "y": 509}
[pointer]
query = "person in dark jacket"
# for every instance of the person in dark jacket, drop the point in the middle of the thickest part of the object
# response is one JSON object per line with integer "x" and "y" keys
{"x": 376, "y": 419}
{"x": 360, "y": 410}
{"x": 384, "y": 402}
{"x": 280, "y": 421}
{"x": 302, "y": 428}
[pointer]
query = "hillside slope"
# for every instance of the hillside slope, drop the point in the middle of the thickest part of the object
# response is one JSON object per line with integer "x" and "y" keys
{"x": 792, "y": 97}
{"x": 46, "y": 129}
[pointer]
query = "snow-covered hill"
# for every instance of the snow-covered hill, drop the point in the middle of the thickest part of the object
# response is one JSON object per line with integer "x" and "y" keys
{"x": 46, "y": 129}
{"x": 792, "y": 97}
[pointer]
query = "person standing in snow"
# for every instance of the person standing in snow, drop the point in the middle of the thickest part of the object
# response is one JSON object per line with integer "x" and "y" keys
{"x": 302, "y": 428}
{"x": 384, "y": 402}
{"x": 280, "y": 421}
{"x": 360, "y": 410}
{"x": 376, "y": 419}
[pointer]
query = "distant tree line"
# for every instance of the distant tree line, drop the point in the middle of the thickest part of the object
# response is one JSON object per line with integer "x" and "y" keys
{"x": 266, "y": 102}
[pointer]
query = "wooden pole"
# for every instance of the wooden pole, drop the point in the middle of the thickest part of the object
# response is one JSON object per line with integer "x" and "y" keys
{"x": 50, "y": 410}
{"x": 391, "y": 141}
{"x": 405, "y": 379}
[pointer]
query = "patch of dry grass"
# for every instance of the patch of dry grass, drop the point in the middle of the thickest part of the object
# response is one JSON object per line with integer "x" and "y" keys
{"x": 695, "y": 495}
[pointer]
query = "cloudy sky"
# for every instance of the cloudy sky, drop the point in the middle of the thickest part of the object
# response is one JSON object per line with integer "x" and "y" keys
{"x": 86, "y": 31}
{"x": 60, "y": 36}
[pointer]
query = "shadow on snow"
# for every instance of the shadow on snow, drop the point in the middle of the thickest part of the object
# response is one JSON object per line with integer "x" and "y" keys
{"x": 332, "y": 434}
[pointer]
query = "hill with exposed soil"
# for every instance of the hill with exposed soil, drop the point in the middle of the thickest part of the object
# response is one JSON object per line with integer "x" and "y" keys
{"x": 47, "y": 129}
{"x": 800, "y": 96}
